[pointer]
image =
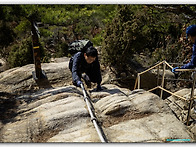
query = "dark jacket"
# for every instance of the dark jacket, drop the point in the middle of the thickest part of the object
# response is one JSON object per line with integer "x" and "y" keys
{"x": 78, "y": 65}
{"x": 192, "y": 63}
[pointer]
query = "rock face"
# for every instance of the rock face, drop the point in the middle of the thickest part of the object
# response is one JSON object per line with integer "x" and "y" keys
{"x": 58, "y": 112}
{"x": 3, "y": 65}
{"x": 60, "y": 115}
{"x": 20, "y": 79}
{"x": 180, "y": 108}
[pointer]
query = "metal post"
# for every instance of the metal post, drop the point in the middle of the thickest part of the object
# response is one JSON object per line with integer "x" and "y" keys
{"x": 191, "y": 97}
{"x": 138, "y": 78}
{"x": 93, "y": 118}
{"x": 136, "y": 82}
{"x": 38, "y": 74}
{"x": 138, "y": 75}
{"x": 158, "y": 76}
{"x": 163, "y": 78}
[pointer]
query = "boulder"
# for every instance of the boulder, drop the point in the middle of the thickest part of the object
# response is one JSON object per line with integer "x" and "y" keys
{"x": 154, "y": 128}
{"x": 20, "y": 79}
{"x": 140, "y": 117}
{"x": 53, "y": 110}
{"x": 48, "y": 113}
{"x": 180, "y": 108}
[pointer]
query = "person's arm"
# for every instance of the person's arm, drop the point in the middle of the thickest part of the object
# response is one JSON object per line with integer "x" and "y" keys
{"x": 192, "y": 63}
{"x": 76, "y": 69}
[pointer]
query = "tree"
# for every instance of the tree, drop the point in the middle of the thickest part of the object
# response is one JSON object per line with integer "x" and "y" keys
{"x": 149, "y": 31}
{"x": 125, "y": 35}
{"x": 152, "y": 29}
{"x": 61, "y": 24}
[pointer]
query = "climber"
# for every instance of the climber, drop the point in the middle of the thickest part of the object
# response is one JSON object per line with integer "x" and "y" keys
{"x": 191, "y": 35}
{"x": 86, "y": 66}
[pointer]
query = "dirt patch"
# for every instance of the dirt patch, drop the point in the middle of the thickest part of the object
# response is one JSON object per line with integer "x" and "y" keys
{"x": 129, "y": 115}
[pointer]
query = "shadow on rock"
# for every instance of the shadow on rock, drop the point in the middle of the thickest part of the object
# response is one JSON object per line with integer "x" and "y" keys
{"x": 43, "y": 83}
{"x": 8, "y": 107}
{"x": 110, "y": 91}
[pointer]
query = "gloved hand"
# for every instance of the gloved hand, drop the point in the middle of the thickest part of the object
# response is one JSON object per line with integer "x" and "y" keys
{"x": 173, "y": 69}
{"x": 79, "y": 83}
{"x": 87, "y": 80}
{"x": 99, "y": 88}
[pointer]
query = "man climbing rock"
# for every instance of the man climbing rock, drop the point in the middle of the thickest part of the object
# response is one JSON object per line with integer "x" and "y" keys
{"x": 86, "y": 66}
{"x": 191, "y": 35}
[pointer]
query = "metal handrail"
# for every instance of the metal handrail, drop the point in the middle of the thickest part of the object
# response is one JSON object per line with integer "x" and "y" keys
{"x": 159, "y": 87}
{"x": 192, "y": 98}
{"x": 137, "y": 82}
{"x": 93, "y": 117}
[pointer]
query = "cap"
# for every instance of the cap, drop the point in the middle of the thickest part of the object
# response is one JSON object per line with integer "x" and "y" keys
{"x": 191, "y": 30}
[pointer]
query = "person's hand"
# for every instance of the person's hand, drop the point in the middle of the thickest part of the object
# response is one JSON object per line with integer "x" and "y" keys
{"x": 99, "y": 88}
{"x": 87, "y": 80}
{"x": 79, "y": 83}
{"x": 174, "y": 69}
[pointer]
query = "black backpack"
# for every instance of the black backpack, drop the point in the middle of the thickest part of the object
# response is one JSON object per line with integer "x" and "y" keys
{"x": 79, "y": 46}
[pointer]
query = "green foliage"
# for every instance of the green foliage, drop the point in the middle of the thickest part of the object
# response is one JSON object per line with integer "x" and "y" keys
{"x": 6, "y": 35}
{"x": 46, "y": 33}
{"x": 21, "y": 54}
{"x": 98, "y": 39}
{"x": 62, "y": 50}
{"x": 22, "y": 27}
{"x": 62, "y": 24}
{"x": 123, "y": 36}
{"x": 130, "y": 29}
{"x": 143, "y": 29}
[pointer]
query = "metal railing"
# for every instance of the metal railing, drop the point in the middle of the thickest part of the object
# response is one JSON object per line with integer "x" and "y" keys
{"x": 93, "y": 117}
{"x": 161, "y": 87}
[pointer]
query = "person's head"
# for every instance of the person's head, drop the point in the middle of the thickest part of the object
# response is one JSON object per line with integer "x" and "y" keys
{"x": 191, "y": 33}
{"x": 90, "y": 54}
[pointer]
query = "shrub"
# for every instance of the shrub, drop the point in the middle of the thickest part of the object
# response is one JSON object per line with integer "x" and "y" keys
{"x": 22, "y": 54}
